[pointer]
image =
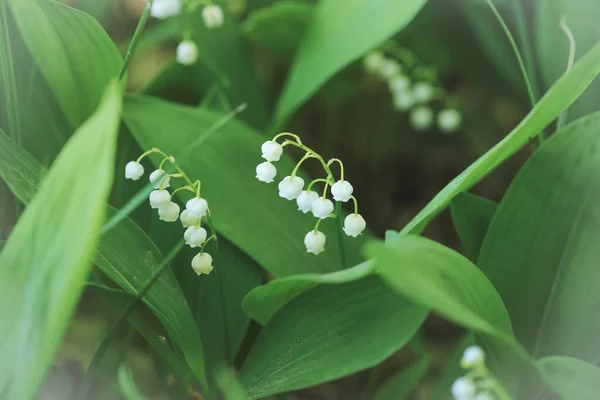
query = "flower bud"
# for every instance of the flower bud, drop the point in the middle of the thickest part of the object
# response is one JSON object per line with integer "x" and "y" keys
{"x": 169, "y": 212}
{"x": 212, "y": 16}
{"x": 403, "y": 101}
{"x": 315, "y": 242}
{"x": 463, "y": 389}
{"x": 354, "y": 225}
{"x": 197, "y": 207}
{"x": 322, "y": 208}
{"x": 399, "y": 83}
{"x": 265, "y": 172}
{"x": 271, "y": 150}
{"x": 449, "y": 120}
{"x": 187, "y": 52}
{"x": 188, "y": 220}
{"x": 160, "y": 179}
{"x": 305, "y": 200}
{"x": 423, "y": 92}
{"x": 202, "y": 263}
{"x": 134, "y": 170}
{"x": 421, "y": 118}
{"x": 163, "y": 9}
{"x": 159, "y": 198}
{"x": 291, "y": 187}
{"x": 342, "y": 191}
{"x": 473, "y": 356}
{"x": 195, "y": 236}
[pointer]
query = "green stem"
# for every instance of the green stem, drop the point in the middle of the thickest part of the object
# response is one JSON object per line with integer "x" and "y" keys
{"x": 136, "y": 36}
{"x": 112, "y": 332}
{"x": 525, "y": 39}
{"x": 8, "y": 76}
{"x": 338, "y": 212}
{"x": 562, "y": 118}
{"x": 511, "y": 39}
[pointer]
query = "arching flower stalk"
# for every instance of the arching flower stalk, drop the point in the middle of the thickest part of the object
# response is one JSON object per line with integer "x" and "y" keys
{"x": 309, "y": 200}
{"x": 196, "y": 210}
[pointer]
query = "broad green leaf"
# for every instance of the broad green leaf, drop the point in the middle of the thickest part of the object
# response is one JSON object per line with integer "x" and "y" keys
{"x": 247, "y": 212}
{"x": 341, "y": 32}
{"x": 471, "y": 216}
{"x": 279, "y": 28}
{"x": 564, "y": 92}
{"x": 72, "y": 51}
{"x": 437, "y": 277}
{"x": 264, "y": 301}
{"x": 398, "y": 386}
{"x": 541, "y": 246}
{"x": 581, "y": 17}
{"x": 45, "y": 261}
{"x": 570, "y": 378}
{"x": 125, "y": 254}
{"x": 326, "y": 333}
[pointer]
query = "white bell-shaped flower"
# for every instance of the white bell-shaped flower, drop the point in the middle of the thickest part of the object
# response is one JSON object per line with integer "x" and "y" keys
{"x": 187, "y": 52}
{"x": 305, "y": 200}
{"x": 271, "y": 150}
{"x": 389, "y": 69}
{"x": 266, "y": 172}
{"x": 474, "y": 356}
{"x": 159, "y": 198}
{"x": 399, "y": 83}
{"x": 354, "y": 225}
{"x": 163, "y": 9}
{"x": 195, "y": 236}
{"x": 202, "y": 263}
{"x": 212, "y": 16}
{"x": 134, "y": 170}
{"x": 169, "y": 212}
{"x": 322, "y": 208}
{"x": 373, "y": 62}
{"x": 197, "y": 207}
{"x": 423, "y": 92}
{"x": 449, "y": 120}
{"x": 403, "y": 101}
{"x": 291, "y": 187}
{"x": 160, "y": 179}
{"x": 188, "y": 220}
{"x": 421, "y": 118}
{"x": 315, "y": 242}
{"x": 342, "y": 191}
{"x": 463, "y": 389}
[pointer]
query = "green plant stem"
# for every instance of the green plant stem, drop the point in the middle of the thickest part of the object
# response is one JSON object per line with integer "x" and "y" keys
{"x": 562, "y": 118}
{"x": 339, "y": 214}
{"x": 112, "y": 332}
{"x": 511, "y": 39}
{"x": 525, "y": 39}
{"x": 8, "y": 77}
{"x": 136, "y": 36}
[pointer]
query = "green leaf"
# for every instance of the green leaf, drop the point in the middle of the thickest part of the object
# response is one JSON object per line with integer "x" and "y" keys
{"x": 264, "y": 301}
{"x": 127, "y": 385}
{"x": 341, "y": 32}
{"x": 541, "y": 246}
{"x": 72, "y": 51}
{"x": 400, "y": 385}
{"x": 564, "y": 92}
{"x": 45, "y": 261}
{"x": 279, "y": 28}
{"x": 471, "y": 216}
{"x": 247, "y": 212}
{"x": 326, "y": 333}
{"x": 437, "y": 277}
{"x": 125, "y": 254}
{"x": 570, "y": 378}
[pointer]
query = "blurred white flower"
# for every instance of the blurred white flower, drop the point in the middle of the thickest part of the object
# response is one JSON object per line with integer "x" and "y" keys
{"x": 423, "y": 92}
{"x": 305, "y": 200}
{"x": 322, "y": 208}
{"x": 160, "y": 179}
{"x": 197, "y": 207}
{"x": 399, "y": 83}
{"x": 195, "y": 236}
{"x": 187, "y": 52}
{"x": 449, "y": 120}
{"x": 403, "y": 100}
{"x": 315, "y": 242}
{"x": 169, "y": 212}
{"x": 342, "y": 191}
{"x": 463, "y": 389}
{"x": 474, "y": 356}
{"x": 188, "y": 220}
{"x": 159, "y": 198}
{"x": 163, "y": 9}
{"x": 373, "y": 62}
{"x": 133, "y": 170}
{"x": 291, "y": 187}
{"x": 421, "y": 118}
{"x": 271, "y": 150}
{"x": 213, "y": 16}
{"x": 265, "y": 172}
{"x": 202, "y": 263}
{"x": 354, "y": 225}
{"x": 389, "y": 68}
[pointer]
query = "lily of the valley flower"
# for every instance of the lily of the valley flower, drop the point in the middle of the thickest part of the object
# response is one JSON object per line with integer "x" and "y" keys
{"x": 322, "y": 208}
{"x": 305, "y": 200}
{"x": 187, "y": 52}
{"x": 163, "y": 9}
{"x": 449, "y": 120}
{"x": 463, "y": 389}
{"x": 169, "y": 212}
{"x": 354, "y": 225}
{"x": 291, "y": 187}
{"x": 421, "y": 118}
{"x": 188, "y": 220}
{"x": 202, "y": 263}
{"x": 315, "y": 242}
{"x": 342, "y": 191}
{"x": 197, "y": 207}
{"x": 212, "y": 16}
{"x": 159, "y": 198}
{"x": 266, "y": 172}
{"x": 195, "y": 236}
{"x": 134, "y": 170}
{"x": 160, "y": 179}
{"x": 271, "y": 150}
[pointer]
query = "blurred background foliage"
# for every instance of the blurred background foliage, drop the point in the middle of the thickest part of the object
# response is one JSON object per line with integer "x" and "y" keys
{"x": 395, "y": 170}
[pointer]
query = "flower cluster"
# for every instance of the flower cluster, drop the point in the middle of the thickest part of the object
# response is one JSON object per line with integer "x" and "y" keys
{"x": 212, "y": 14}
{"x": 196, "y": 209}
{"x": 413, "y": 88}
{"x": 292, "y": 188}
{"x": 478, "y": 383}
